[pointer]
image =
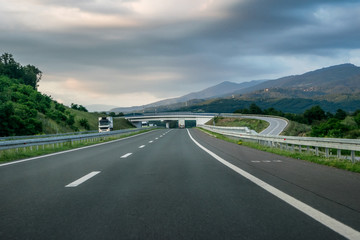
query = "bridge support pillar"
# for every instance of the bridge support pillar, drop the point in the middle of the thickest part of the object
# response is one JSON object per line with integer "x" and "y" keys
{"x": 137, "y": 124}
{"x": 167, "y": 125}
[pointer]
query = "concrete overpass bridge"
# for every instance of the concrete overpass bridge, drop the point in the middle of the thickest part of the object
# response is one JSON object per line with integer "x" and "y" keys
{"x": 200, "y": 118}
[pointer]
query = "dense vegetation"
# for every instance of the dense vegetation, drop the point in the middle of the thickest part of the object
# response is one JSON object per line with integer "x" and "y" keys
{"x": 25, "y": 111}
{"x": 323, "y": 124}
{"x": 28, "y": 75}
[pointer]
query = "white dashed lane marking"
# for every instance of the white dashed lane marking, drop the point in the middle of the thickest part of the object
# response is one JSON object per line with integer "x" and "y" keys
{"x": 266, "y": 161}
{"x": 126, "y": 155}
{"x": 83, "y": 179}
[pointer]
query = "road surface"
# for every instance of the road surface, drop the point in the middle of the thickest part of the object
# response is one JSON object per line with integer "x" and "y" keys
{"x": 174, "y": 184}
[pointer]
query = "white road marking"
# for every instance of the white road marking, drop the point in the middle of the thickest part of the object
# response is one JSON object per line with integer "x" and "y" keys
{"x": 151, "y": 141}
{"x": 156, "y": 138}
{"x": 126, "y": 155}
{"x": 83, "y": 179}
{"x": 142, "y": 146}
{"x": 67, "y": 151}
{"x": 322, "y": 218}
{"x": 266, "y": 161}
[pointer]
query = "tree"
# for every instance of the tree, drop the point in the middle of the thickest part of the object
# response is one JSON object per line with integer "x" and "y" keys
{"x": 29, "y": 74}
{"x": 78, "y": 107}
{"x": 357, "y": 119}
{"x": 314, "y": 114}
{"x": 6, "y": 111}
{"x": 254, "y": 109}
{"x": 84, "y": 123}
{"x": 32, "y": 76}
{"x": 74, "y": 106}
{"x": 82, "y": 108}
{"x": 340, "y": 114}
{"x": 332, "y": 128}
{"x": 9, "y": 67}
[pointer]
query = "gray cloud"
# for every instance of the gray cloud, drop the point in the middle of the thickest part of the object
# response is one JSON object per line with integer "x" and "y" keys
{"x": 171, "y": 56}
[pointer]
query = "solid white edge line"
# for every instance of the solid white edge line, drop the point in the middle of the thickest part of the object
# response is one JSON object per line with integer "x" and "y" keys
{"x": 142, "y": 146}
{"x": 67, "y": 151}
{"x": 82, "y": 179}
{"x": 126, "y": 155}
{"x": 324, "y": 219}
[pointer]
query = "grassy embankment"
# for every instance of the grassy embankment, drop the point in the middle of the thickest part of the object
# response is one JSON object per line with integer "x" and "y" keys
{"x": 52, "y": 127}
{"x": 333, "y": 162}
{"x": 254, "y": 124}
{"x": 296, "y": 129}
{"x": 34, "y": 151}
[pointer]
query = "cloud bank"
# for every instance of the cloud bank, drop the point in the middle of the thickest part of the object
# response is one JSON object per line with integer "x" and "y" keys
{"x": 131, "y": 52}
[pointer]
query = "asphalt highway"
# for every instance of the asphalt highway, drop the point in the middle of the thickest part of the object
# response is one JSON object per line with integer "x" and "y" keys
{"x": 176, "y": 184}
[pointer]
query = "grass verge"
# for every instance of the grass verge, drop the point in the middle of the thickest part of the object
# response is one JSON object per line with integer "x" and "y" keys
{"x": 254, "y": 124}
{"x": 332, "y": 162}
{"x": 28, "y": 152}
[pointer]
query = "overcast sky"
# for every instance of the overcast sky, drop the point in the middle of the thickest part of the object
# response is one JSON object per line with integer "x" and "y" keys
{"x": 134, "y": 52}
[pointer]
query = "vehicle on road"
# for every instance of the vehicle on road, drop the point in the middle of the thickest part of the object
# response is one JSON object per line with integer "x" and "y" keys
{"x": 106, "y": 124}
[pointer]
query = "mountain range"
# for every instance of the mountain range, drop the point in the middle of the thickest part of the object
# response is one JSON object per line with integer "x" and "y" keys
{"x": 331, "y": 87}
{"x": 218, "y": 90}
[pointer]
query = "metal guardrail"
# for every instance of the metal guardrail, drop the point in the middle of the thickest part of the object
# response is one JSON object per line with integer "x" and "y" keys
{"x": 58, "y": 139}
{"x": 169, "y": 113}
{"x": 236, "y": 130}
{"x": 45, "y": 135}
{"x": 292, "y": 143}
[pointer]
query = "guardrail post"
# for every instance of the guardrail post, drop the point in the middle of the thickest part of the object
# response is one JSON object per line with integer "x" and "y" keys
{"x": 317, "y": 151}
{"x": 339, "y": 153}
{"x": 353, "y": 156}
{"x": 299, "y": 148}
{"x": 327, "y": 152}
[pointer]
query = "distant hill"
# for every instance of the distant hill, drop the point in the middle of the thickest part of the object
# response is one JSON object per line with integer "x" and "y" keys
{"x": 288, "y": 105}
{"x": 339, "y": 79}
{"x": 219, "y": 90}
{"x": 331, "y": 87}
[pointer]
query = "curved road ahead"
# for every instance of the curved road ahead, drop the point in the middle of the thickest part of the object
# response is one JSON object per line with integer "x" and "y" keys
{"x": 277, "y": 125}
{"x": 176, "y": 184}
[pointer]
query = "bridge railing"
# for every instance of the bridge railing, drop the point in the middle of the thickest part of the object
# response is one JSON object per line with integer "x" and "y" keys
{"x": 301, "y": 144}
